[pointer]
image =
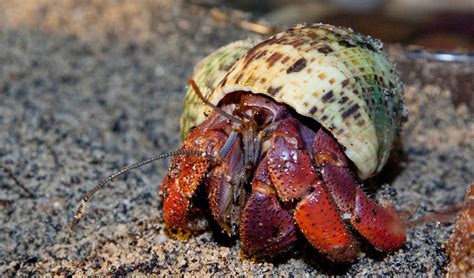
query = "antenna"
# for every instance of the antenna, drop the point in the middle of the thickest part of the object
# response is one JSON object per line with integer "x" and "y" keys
{"x": 219, "y": 110}
{"x": 80, "y": 210}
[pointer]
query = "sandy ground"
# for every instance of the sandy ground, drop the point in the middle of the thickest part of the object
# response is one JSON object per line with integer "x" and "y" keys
{"x": 85, "y": 89}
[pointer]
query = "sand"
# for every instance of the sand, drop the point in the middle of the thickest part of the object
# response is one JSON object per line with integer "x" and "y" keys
{"x": 84, "y": 91}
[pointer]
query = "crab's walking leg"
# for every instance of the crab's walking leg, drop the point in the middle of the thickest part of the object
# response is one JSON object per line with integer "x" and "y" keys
{"x": 187, "y": 172}
{"x": 225, "y": 188}
{"x": 381, "y": 226}
{"x": 292, "y": 176}
{"x": 266, "y": 228}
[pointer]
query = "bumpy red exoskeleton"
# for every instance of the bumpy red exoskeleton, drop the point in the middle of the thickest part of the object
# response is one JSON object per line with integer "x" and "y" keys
{"x": 275, "y": 173}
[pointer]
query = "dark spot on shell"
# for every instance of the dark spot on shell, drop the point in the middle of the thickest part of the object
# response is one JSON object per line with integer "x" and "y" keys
{"x": 253, "y": 52}
{"x": 346, "y": 43}
{"x": 313, "y": 35}
{"x": 322, "y": 75}
{"x": 313, "y": 110}
{"x": 274, "y": 58}
{"x": 224, "y": 82}
{"x": 327, "y": 96}
{"x": 350, "y": 111}
{"x": 325, "y": 49}
{"x": 343, "y": 100}
{"x": 297, "y": 43}
{"x": 261, "y": 54}
{"x": 325, "y": 117}
{"x": 273, "y": 91}
{"x": 381, "y": 79}
{"x": 331, "y": 81}
{"x": 285, "y": 59}
{"x": 238, "y": 78}
{"x": 297, "y": 66}
{"x": 225, "y": 67}
{"x": 366, "y": 45}
{"x": 345, "y": 82}
{"x": 274, "y": 40}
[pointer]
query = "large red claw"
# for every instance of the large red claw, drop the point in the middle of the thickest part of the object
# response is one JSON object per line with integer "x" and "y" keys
{"x": 179, "y": 186}
{"x": 266, "y": 228}
{"x": 225, "y": 186}
{"x": 322, "y": 225}
{"x": 187, "y": 172}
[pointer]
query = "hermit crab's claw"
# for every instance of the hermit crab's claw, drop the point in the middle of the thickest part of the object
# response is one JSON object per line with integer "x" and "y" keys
{"x": 381, "y": 226}
{"x": 186, "y": 173}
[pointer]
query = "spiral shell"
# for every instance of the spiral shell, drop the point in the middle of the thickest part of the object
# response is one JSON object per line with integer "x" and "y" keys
{"x": 340, "y": 78}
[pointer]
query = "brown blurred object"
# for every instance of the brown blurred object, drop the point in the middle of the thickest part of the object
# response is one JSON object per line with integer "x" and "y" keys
{"x": 437, "y": 25}
{"x": 460, "y": 247}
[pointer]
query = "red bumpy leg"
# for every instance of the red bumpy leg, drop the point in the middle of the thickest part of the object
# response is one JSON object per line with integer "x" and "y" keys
{"x": 266, "y": 228}
{"x": 381, "y": 226}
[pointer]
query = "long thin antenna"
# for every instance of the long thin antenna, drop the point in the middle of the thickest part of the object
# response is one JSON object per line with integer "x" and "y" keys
{"x": 197, "y": 91}
{"x": 16, "y": 181}
{"x": 80, "y": 210}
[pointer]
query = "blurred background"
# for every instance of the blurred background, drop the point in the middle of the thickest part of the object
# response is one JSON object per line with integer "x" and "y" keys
{"x": 433, "y": 24}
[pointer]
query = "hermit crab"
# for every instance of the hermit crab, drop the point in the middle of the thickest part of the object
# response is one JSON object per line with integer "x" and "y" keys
{"x": 298, "y": 115}
{"x": 278, "y": 136}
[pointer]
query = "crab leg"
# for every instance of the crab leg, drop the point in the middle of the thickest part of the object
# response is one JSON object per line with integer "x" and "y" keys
{"x": 266, "y": 228}
{"x": 379, "y": 225}
{"x": 187, "y": 172}
{"x": 225, "y": 188}
{"x": 292, "y": 176}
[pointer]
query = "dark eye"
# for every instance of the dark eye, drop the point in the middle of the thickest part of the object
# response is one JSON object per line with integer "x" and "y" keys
{"x": 261, "y": 117}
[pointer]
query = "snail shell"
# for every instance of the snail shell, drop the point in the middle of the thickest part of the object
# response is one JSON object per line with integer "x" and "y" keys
{"x": 340, "y": 78}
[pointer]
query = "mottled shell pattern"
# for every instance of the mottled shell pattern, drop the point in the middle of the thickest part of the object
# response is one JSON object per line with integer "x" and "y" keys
{"x": 207, "y": 74}
{"x": 340, "y": 78}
